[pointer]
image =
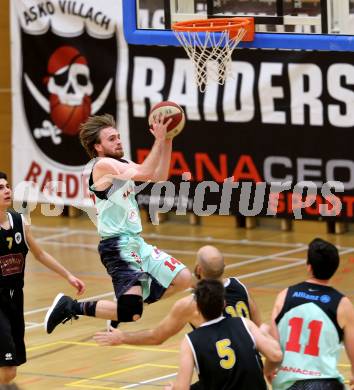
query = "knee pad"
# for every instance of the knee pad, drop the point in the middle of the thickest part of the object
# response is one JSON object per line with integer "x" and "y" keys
{"x": 156, "y": 292}
{"x": 129, "y": 305}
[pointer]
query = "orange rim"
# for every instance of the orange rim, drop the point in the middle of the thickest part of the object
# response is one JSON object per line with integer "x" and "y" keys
{"x": 233, "y": 25}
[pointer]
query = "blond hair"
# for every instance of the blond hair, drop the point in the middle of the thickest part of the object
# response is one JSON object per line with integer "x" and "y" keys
{"x": 91, "y": 129}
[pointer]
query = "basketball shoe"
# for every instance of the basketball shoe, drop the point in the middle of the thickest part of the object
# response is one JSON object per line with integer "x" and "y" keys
{"x": 61, "y": 311}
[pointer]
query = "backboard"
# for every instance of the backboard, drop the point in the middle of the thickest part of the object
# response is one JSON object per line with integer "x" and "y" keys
{"x": 279, "y": 24}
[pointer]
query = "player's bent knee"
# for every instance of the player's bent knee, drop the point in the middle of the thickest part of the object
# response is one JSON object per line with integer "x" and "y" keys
{"x": 183, "y": 279}
{"x": 7, "y": 374}
{"x": 130, "y": 308}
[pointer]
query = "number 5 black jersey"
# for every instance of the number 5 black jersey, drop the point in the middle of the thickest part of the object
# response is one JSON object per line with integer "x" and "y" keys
{"x": 225, "y": 356}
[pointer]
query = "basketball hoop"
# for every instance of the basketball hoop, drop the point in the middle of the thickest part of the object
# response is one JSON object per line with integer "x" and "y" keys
{"x": 214, "y": 40}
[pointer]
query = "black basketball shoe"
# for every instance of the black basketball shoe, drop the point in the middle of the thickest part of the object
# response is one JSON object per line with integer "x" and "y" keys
{"x": 61, "y": 311}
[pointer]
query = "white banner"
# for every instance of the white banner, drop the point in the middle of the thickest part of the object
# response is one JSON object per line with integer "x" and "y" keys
{"x": 68, "y": 58}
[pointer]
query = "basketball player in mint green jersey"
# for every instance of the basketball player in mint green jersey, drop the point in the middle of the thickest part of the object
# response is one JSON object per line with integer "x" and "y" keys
{"x": 140, "y": 272}
{"x": 311, "y": 320}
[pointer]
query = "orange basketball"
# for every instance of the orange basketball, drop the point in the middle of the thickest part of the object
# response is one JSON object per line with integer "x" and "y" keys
{"x": 169, "y": 110}
{"x": 68, "y": 118}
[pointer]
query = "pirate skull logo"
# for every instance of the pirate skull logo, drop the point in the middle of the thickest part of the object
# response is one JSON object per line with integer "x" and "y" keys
{"x": 61, "y": 89}
{"x": 71, "y": 83}
{"x": 70, "y": 89}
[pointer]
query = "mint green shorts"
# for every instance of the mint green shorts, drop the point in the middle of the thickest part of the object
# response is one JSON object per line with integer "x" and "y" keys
{"x": 129, "y": 258}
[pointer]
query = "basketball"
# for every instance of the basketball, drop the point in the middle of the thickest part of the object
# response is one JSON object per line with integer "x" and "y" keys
{"x": 169, "y": 110}
{"x": 68, "y": 118}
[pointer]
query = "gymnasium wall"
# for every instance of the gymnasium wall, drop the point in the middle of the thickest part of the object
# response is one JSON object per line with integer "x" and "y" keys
{"x": 285, "y": 116}
{"x": 5, "y": 89}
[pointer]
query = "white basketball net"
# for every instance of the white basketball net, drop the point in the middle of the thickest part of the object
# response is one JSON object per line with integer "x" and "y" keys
{"x": 202, "y": 48}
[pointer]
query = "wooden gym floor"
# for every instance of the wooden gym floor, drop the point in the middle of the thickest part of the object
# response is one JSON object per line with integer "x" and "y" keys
{"x": 265, "y": 259}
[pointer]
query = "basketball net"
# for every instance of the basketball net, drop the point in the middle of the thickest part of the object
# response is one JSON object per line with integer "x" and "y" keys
{"x": 210, "y": 53}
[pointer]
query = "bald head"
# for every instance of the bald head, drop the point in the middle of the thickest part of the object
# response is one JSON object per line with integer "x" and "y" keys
{"x": 210, "y": 262}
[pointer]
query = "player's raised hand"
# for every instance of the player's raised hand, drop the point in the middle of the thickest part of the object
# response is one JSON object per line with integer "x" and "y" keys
{"x": 159, "y": 126}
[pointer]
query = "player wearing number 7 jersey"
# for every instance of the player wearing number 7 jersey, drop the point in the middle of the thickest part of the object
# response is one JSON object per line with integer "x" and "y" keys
{"x": 311, "y": 319}
{"x": 16, "y": 240}
{"x": 223, "y": 350}
{"x": 140, "y": 272}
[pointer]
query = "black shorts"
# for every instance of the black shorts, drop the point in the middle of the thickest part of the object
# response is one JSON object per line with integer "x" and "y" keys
{"x": 318, "y": 384}
{"x": 12, "y": 327}
{"x": 123, "y": 275}
{"x": 130, "y": 261}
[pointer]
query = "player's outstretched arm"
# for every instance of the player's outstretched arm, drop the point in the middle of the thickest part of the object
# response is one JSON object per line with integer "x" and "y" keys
{"x": 254, "y": 311}
{"x": 50, "y": 262}
{"x": 267, "y": 345}
{"x": 175, "y": 320}
{"x": 163, "y": 167}
{"x": 186, "y": 366}
{"x": 269, "y": 366}
{"x": 345, "y": 318}
{"x": 277, "y": 308}
{"x": 154, "y": 168}
{"x": 159, "y": 157}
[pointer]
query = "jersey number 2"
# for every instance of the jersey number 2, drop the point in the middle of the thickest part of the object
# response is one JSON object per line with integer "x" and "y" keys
{"x": 293, "y": 344}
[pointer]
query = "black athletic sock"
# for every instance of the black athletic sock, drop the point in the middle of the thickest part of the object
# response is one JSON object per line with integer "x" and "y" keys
{"x": 85, "y": 308}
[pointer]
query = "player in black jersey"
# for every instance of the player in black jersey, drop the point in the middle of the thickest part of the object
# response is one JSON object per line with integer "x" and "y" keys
{"x": 311, "y": 319}
{"x": 223, "y": 350}
{"x": 210, "y": 264}
{"x": 15, "y": 241}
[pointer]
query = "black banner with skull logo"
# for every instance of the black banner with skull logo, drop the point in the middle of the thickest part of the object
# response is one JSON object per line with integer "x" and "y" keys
{"x": 63, "y": 83}
{"x": 65, "y": 61}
